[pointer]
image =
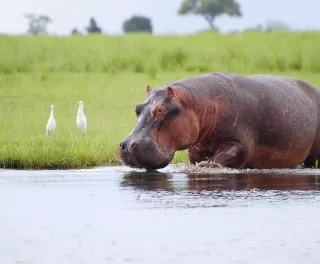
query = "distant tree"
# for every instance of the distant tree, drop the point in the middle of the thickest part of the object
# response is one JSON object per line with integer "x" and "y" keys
{"x": 256, "y": 28}
{"x": 275, "y": 25}
{"x": 38, "y": 24}
{"x": 137, "y": 24}
{"x": 93, "y": 26}
{"x": 210, "y": 9}
{"x": 75, "y": 31}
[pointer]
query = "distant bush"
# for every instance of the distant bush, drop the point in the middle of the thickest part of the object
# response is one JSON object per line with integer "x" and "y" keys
{"x": 137, "y": 24}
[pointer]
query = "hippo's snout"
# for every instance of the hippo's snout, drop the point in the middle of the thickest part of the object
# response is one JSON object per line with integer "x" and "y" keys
{"x": 124, "y": 145}
{"x": 143, "y": 153}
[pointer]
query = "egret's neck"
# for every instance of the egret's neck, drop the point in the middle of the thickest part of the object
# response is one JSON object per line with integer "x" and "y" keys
{"x": 80, "y": 110}
{"x": 51, "y": 114}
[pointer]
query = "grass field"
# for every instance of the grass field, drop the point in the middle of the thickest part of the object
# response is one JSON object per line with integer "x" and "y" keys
{"x": 110, "y": 75}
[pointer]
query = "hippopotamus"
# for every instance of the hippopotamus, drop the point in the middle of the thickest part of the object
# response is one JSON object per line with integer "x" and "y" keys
{"x": 258, "y": 121}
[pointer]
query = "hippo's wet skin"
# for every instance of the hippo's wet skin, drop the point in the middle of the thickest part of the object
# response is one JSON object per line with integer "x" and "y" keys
{"x": 259, "y": 121}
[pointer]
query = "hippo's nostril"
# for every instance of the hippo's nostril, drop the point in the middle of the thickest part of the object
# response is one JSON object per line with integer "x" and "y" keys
{"x": 133, "y": 145}
{"x": 121, "y": 145}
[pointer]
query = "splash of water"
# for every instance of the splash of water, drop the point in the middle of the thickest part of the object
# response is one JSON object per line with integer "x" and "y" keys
{"x": 207, "y": 168}
{"x": 199, "y": 168}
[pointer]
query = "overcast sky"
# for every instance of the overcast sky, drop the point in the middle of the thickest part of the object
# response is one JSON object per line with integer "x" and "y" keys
{"x": 110, "y": 14}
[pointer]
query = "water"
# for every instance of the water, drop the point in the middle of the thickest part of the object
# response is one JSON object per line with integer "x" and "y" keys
{"x": 180, "y": 215}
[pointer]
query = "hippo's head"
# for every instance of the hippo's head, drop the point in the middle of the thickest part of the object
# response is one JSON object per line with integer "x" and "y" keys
{"x": 165, "y": 124}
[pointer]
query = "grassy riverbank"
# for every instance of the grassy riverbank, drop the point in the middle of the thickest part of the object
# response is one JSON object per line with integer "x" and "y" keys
{"x": 110, "y": 75}
{"x": 25, "y": 101}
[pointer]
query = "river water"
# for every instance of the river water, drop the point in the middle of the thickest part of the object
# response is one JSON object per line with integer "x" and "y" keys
{"x": 178, "y": 215}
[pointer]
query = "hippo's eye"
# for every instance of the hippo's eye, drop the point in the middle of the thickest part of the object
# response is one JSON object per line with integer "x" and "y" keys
{"x": 159, "y": 111}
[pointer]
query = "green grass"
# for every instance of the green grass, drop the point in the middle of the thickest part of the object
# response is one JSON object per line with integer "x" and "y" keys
{"x": 141, "y": 53}
{"x": 110, "y": 75}
{"x": 25, "y": 101}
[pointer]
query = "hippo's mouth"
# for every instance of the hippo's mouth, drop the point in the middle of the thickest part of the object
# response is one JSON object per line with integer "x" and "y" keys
{"x": 148, "y": 157}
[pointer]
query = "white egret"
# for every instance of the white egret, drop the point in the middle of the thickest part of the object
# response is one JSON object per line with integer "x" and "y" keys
{"x": 81, "y": 118}
{"x": 51, "y": 125}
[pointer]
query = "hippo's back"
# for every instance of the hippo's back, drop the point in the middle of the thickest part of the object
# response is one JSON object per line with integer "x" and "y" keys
{"x": 231, "y": 83}
{"x": 271, "y": 106}
{"x": 259, "y": 90}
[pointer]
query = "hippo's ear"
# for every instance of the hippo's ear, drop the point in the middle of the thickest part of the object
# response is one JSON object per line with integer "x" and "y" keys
{"x": 170, "y": 93}
{"x": 149, "y": 90}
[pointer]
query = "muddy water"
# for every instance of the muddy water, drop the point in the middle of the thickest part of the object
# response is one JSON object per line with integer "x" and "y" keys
{"x": 179, "y": 215}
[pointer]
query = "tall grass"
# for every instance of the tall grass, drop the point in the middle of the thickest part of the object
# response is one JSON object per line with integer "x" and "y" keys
{"x": 110, "y": 75}
{"x": 140, "y": 53}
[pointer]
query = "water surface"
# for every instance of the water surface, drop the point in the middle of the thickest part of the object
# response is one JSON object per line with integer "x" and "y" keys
{"x": 178, "y": 215}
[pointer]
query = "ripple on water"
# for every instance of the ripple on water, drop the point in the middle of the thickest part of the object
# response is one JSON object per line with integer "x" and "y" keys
{"x": 212, "y": 199}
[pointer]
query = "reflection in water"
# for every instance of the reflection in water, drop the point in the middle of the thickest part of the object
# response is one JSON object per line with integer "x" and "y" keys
{"x": 225, "y": 181}
{"x": 220, "y": 190}
{"x": 151, "y": 180}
